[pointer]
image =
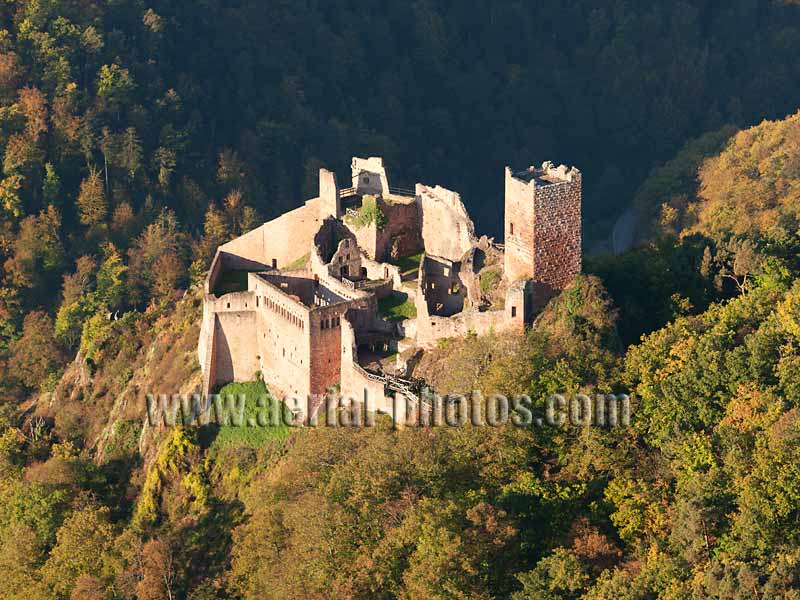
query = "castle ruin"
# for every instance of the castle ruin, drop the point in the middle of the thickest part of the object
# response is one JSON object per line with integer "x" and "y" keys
{"x": 343, "y": 290}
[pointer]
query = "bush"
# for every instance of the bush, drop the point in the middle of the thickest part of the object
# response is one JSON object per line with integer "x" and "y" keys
{"x": 368, "y": 214}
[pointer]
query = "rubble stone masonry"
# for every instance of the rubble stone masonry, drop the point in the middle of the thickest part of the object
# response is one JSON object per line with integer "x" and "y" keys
{"x": 543, "y": 227}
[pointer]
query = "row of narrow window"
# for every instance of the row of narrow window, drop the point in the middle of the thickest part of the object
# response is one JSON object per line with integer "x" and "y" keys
{"x": 331, "y": 323}
{"x": 291, "y": 317}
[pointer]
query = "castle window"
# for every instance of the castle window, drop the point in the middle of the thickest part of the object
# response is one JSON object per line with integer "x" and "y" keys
{"x": 229, "y": 304}
{"x": 256, "y": 301}
{"x": 512, "y": 228}
{"x": 513, "y": 312}
{"x": 274, "y": 263}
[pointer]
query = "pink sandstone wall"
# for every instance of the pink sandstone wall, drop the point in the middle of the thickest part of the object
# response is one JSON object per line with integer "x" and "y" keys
{"x": 283, "y": 240}
{"x": 283, "y": 339}
{"x": 402, "y": 231}
{"x": 519, "y": 218}
{"x": 326, "y": 343}
{"x": 369, "y": 176}
{"x": 346, "y": 261}
{"x": 447, "y": 229}
{"x": 543, "y": 230}
{"x": 235, "y": 347}
{"x": 356, "y": 384}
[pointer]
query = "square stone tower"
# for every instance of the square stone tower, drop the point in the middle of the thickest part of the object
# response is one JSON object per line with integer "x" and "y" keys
{"x": 543, "y": 227}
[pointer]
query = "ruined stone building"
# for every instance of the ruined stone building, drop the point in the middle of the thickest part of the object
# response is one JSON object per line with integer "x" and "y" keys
{"x": 341, "y": 291}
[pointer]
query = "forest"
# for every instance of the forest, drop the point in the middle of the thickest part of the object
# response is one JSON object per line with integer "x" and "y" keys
{"x": 136, "y": 137}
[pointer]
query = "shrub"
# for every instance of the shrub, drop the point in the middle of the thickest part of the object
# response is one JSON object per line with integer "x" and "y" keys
{"x": 368, "y": 214}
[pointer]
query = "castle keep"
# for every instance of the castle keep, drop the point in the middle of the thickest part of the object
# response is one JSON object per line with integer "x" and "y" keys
{"x": 345, "y": 289}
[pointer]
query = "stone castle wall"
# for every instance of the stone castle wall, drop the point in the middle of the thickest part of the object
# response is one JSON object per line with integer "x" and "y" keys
{"x": 281, "y": 241}
{"x": 369, "y": 176}
{"x": 234, "y": 346}
{"x": 519, "y": 226}
{"x": 326, "y": 345}
{"x": 557, "y": 245}
{"x": 283, "y": 338}
{"x": 356, "y": 383}
{"x": 401, "y": 235}
{"x": 543, "y": 229}
{"x": 447, "y": 230}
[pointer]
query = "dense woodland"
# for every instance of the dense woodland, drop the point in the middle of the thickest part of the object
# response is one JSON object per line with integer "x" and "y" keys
{"x": 136, "y": 137}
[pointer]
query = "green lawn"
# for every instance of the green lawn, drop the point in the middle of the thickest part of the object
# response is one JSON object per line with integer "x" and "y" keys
{"x": 397, "y": 307}
{"x": 407, "y": 264}
{"x": 251, "y": 432}
{"x": 300, "y": 263}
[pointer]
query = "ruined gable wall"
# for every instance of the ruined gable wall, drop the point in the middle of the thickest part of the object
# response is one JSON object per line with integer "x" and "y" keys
{"x": 369, "y": 176}
{"x": 282, "y": 240}
{"x": 442, "y": 287}
{"x": 346, "y": 261}
{"x": 447, "y": 229}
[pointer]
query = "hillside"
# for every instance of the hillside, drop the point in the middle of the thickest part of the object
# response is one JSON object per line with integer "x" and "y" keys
{"x": 137, "y": 137}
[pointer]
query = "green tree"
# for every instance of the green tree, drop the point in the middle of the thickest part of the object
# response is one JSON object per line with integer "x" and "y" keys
{"x": 92, "y": 204}
{"x": 33, "y": 357}
{"x": 81, "y": 543}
